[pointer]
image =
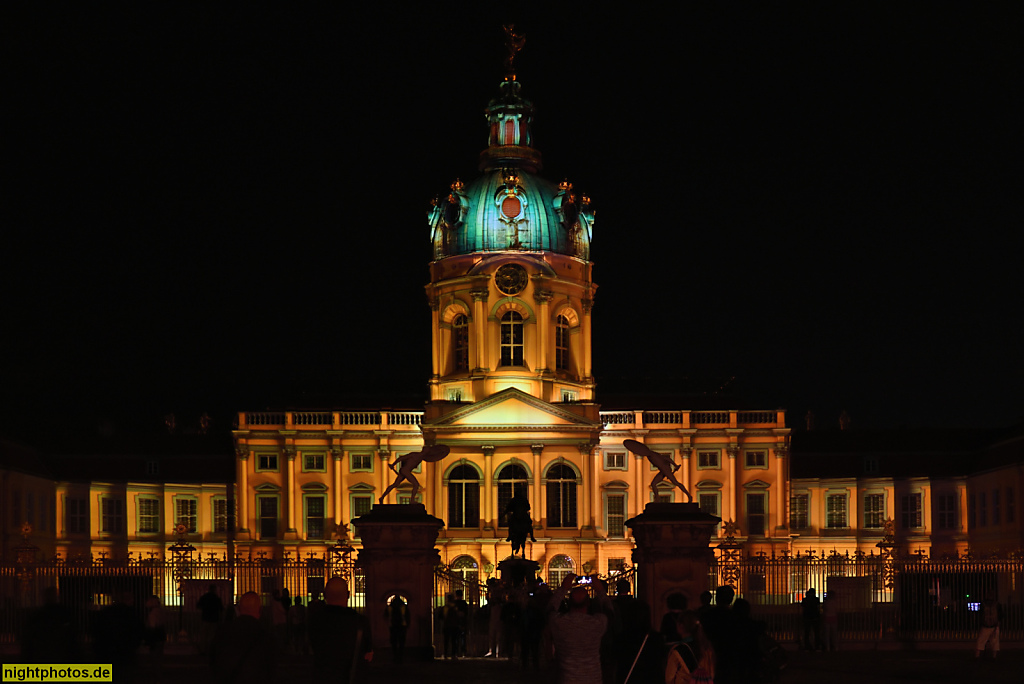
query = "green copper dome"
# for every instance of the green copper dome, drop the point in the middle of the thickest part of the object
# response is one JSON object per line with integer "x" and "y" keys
{"x": 510, "y": 207}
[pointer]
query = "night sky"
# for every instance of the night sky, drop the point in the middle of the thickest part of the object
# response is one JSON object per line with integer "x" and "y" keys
{"x": 222, "y": 209}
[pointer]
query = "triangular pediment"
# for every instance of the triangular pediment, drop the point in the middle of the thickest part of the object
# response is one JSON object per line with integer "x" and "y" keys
{"x": 512, "y": 408}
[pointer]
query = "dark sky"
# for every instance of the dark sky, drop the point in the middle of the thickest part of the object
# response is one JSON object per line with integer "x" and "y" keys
{"x": 225, "y": 209}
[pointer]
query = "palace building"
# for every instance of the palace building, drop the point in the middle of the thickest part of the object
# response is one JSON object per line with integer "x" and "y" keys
{"x": 512, "y": 394}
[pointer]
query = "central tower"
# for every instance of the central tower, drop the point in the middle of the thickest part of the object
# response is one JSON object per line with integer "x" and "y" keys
{"x": 510, "y": 284}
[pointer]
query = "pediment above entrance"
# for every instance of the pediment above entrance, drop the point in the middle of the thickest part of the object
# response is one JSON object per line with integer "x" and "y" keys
{"x": 512, "y": 408}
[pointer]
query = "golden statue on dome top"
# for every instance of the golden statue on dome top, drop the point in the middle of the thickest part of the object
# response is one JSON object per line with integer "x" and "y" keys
{"x": 514, "y": 42}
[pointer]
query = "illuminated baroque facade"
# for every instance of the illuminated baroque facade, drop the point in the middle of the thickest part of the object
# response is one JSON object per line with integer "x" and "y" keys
{"x": 512, "y": 394}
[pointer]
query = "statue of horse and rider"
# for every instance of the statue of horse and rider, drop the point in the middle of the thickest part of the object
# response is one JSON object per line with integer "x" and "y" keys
{"x": 520, "y": 523}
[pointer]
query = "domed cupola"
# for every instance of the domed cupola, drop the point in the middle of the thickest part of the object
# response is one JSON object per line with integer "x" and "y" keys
{"x": 509, "y": 207}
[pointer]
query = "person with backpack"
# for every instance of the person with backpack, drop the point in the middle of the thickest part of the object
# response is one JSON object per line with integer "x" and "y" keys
{"x": 991, "y": 614}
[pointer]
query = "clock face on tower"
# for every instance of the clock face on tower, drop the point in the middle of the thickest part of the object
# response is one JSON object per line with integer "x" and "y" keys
{"x": 511, "y": 279}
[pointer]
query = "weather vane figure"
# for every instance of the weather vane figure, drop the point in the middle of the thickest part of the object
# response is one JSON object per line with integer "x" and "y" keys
{"x": 666, "y": 468}
{"x": 409, "y": 462}
{"x": 514, "y": 42}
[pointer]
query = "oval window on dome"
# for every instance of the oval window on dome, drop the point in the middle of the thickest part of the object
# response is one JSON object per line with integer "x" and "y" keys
{"x": 511, "y": 207}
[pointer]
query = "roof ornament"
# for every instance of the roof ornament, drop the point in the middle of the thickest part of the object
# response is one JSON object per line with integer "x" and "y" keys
{"x": 514, "y": 42}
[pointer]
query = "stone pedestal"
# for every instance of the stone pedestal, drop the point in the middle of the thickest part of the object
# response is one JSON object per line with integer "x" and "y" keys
{"x": 398, "y": 557}
{"x": 518, "y": 570}
{"x": 672, "y": 553}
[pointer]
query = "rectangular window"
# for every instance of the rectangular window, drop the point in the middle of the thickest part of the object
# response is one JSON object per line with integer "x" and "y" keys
{"x": 870, "y": 465}
{"x": 266, "y": 461}
{"x": 616, "y": 565}
{"x": 835, "y": 511}
{"x": 947, "y": 512}
{"x": 314, "y": 462}
{"x": 221, "y": 515}
{"x": 1011, "y": 506}
{"x": 614, "y": 460}
{"x": 663, "y": 495}
{"x": 757, "y": 514}
{"x": 569, "y": 395}
{"x": 757, "y": 459}
{"x": 972, "y": 510}
{"x": 361, "y": 505}
{"x": 454, "y": 393}
{"x": 708, "y": 459}
{"x": 616, "y": 515}
{"x": 406, "y": 497}
{"x": 111, "y": 515}
{"x": 361, "y": 463}
{"x": 997, "y": 514}
{"x": 798, "y": 507}
{"x": 874, "y": 511}
{"x": 268, "y": 517}
{"x": 186, "y": 513}
{"x": 708, "y": 502}
{"x": 149, "y": 516}
{"x": 911, "y": 511}
{"x": 982, "y": 510}
{"x": 77, "y": 515}
{"x": 314, "y": 517}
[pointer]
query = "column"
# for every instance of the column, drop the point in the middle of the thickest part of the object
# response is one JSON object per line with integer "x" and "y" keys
{"x": 435, "y": 338}
{"x": 289, "y": 490}
{"x": 383, "y": 456}
{"x": 488, "y": 493}
{"x": 588, "y": 304}
{"x": 781, "y": 484}
{"x": 243, "y": 489}
{"x": 339, "y": 495}
{"x": 539, "y": 510}
{"x": 543, "y": 297}
{"x": 684, "y": 469}
{"x": 732, "y": 451}
{"x": 596, "y": 513}
{"x": 480, "y": 326}
{"x": 641, "y": 480}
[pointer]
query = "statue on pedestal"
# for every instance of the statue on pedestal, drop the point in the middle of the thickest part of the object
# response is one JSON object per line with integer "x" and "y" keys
{"x": 409, "y": 462}
{"x": 666, "y": 468}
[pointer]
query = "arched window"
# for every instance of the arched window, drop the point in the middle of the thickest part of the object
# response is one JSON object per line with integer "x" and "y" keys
{"x": 562, "y": 343}
{"x": 512, "y": 339}
{"x": 512, "y": 480}
{"x": 463, "y": 497}
{"x": 460, "y": 342}
{"x": 558, "y": 568}
{"x": 561, "y": 496}
{"x": 466, "y": 567}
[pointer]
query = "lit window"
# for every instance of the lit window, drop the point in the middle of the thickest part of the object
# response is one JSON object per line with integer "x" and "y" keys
{"x": 757, "y": 514}
{"x": 512, "y": 480}
{"x": 111, "y": 515}
{"x": 615, "y": 460}
{"x": 361, "y": 505}
{"x": 615, "y": 512}
{"x": 361, "y": 462}
{"x": 464, "y": 497}
{"x": 911, "y": 510}
{"x": 570, "y": 395}
{"x": 266, "y": 461}
{"x": 460, "y": 342}
{"x": 616, "y": 565}
{"x": 757, "y": 459}
{"x": 313, "y": 462}
{"x": 874, "y": 511}
{"x": 558, "y": 568}
{"x": 268, "y": 517}
{"x": 149, "y": 516}
{"x": 185, "y": 512}
{"x": 709, "y": 503}
{"x": 798, "y": 511}
{"x": 512, "y": 339}
{"x": 315, "y": 517}
{"x": 562, "y": 343}
{"x": 221, "y": 513}
{"x": 454, "y": 394}
{"x": 835, "y": 511}
{"x": 77, "y": 514}
{"x": 947, "y": 512}
{"x": 561, "y": 497}
{"x": 707, "y": 459}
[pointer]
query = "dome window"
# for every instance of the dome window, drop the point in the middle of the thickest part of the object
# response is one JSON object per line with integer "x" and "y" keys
{"x": 511, "y": 207}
